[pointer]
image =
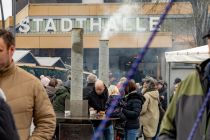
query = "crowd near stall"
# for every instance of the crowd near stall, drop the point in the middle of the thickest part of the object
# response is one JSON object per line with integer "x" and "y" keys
{"x": 42, "y": 98}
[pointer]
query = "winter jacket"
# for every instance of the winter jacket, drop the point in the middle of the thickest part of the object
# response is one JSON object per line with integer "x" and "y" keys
{"x": 163, "y": 92}
{"x": 183, "y": 110}
{"x": 134, "y": 102}
{"x": 51, "y": 92}
{"x": 117, "y": 112}
{"x": 8, "y": 129}
{"x": 61, "y": 95}
{"x": 87, "y": 90}
{"x": 98, "y": 102}
{"x": 150, "y": 114}
{"x": 28, "y": 100}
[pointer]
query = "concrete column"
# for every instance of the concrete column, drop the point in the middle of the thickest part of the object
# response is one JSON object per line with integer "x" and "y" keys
{"x": 163, "y": 67}
{"x": 78, "y": 107}
{"x": 77, "y": 64}
{"x": 104, "y": 61}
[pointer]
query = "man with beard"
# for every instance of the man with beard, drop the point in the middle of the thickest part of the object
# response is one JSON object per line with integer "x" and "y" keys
{"x": 25, "y": 95}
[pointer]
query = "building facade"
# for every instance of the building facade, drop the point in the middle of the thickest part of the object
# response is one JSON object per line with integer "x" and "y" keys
{"x": 44, "y": 27}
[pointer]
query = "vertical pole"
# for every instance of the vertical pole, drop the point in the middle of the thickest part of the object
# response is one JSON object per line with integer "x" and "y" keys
{"x": 14, "y": 17}
{"x": 158, "y": 68}
{"x": 104, "y": 61}
{"x": 2, "y": 15}
{"x": 77, "y": 64}
{"x": 169, "y": 82}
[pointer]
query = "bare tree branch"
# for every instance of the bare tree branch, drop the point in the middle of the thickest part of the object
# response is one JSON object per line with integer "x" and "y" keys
{"x": 201, "y": 20}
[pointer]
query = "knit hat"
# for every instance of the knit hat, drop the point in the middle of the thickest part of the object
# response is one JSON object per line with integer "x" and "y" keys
{"x": 45, "y": 81}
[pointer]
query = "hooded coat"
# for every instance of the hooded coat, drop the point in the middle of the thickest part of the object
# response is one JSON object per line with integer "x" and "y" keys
{"x": 132, "y": 109}
{"x": 185, "y": 105}
{"x": 150, "y": 114}
{"x": 61, "y": 95}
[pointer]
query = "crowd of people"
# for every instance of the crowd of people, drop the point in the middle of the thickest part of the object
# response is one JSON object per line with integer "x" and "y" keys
{"x": 140, "y": 106}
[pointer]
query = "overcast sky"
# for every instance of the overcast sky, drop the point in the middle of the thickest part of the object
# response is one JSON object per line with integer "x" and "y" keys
{"x": 7, "y": 6}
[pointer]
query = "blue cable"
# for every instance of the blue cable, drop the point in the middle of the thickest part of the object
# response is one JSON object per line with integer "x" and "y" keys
{"x": 132, "y": 71}
{"x": 199, "y": 116}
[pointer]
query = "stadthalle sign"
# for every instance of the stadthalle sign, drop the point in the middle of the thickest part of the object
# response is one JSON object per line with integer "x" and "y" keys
{"x": 67, "y": 23}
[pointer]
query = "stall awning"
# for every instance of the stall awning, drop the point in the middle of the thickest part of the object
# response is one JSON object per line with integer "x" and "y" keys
{"x": 194, "y": 55}
{"x": 24, "y": 57}
{"x": 50, "y": 62}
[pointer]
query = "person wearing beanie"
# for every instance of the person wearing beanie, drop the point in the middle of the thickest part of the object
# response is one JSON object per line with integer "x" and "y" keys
{"x": 176, "y": 83}
{"x": 149, "y": 117}
{"x": 45, "y": 81}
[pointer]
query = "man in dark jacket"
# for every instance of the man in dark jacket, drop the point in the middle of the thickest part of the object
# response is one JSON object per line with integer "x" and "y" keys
{"x": 98, "y": 97}
{"x": 8, "y": 129}
{"x": 91, "y": 79}
{"x": 186, "y": 103}
{"x": 97, "y": 101}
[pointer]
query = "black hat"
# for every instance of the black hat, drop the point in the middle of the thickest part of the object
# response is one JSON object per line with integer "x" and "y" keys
{"x": 207, "y": 35}
{"x": 161, "y": 82}
{"x": 177, "y": 80}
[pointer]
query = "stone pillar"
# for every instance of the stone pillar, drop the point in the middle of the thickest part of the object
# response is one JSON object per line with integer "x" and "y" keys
{"x": 77, "y": 64}
{"x": 104, "y": 61}
{"x": 76, "y": 100}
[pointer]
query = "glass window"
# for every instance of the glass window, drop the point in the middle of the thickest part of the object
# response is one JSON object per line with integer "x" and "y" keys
{"x": 113, "y": 1}
{"x": 55, "y": 1}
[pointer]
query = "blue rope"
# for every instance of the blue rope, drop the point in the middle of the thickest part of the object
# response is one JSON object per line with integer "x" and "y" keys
{"x": 132, "y": 71}
{"x": 199, "y": 116}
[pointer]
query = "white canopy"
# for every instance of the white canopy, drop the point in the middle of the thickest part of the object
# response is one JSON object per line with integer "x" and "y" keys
{"x": 194, "y": 55}
{"x": 50, "y": 61}
{"x": 47, "y": 61}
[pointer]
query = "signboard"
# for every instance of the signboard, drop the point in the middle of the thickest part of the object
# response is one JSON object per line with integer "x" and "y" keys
{"x": 90, "y": 24}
